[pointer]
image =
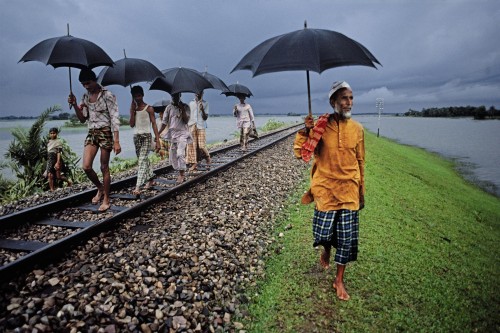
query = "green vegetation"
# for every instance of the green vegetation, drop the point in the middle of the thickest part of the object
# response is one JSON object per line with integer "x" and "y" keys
{"x": 457, "y": 111}
{"x": 428, "y": 262}
{"x": 272, "y": 125}
{"x": 27, "y": 158}
{"x": 119, "y": 164}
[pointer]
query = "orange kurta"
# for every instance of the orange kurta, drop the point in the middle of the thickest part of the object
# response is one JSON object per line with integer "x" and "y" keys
{"x": 337, "y": 175}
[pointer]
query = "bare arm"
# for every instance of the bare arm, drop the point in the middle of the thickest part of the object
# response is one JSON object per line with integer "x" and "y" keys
{"x": 78, "y": 108}
{"x": 151, "y": 113}
{"x": 57, "y": 166}
{"x": 116, "y": 142}
{"x": 132, "y": 114}
{"x": 185, "y": 112}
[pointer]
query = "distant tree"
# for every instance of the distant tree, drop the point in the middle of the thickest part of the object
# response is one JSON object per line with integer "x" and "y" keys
{"x": 480, "y": 113}
{"x": 64, "y": 116}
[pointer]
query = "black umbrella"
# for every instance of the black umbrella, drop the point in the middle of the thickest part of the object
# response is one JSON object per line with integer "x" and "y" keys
{"x": 159, "y": 106}
{"x": 128, "y": 71}
{"x": 237, "y": 89}
{"x": 306, "y": 49}
{"x": 180, "y": 79}
{"x": 215, "y": 81}
{"x": 68, "y": 51}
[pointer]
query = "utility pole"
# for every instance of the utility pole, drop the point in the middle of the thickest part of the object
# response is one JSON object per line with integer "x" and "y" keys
{"x": 379, "y": 105}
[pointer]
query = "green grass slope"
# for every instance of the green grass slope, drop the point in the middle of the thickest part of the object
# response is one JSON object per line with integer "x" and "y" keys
{"x": 428, "y": 261}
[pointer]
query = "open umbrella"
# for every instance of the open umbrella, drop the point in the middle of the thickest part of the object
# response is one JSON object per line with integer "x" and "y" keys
{"x": 128, "y": 71}
{"x": 181, "y": 79}
{"x": 215, "y": 81}
{"x": 237, "y": 89}
{"x": 160, "y": 105}
{"x": 306, "y": 49}
{"x": 68, "y": 51}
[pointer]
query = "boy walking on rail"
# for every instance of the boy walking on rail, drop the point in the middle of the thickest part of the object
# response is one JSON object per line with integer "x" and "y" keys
{"x": 176, "y": 118}
{"x": 99, "y": 109}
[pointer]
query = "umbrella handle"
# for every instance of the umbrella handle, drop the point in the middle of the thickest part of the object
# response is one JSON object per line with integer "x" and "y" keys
{"x": 309, "y": 93}
{"x": 70, "y": 86}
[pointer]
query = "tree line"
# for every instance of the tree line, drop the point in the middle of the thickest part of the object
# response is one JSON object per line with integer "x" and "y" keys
{"x": 479, "y": 112}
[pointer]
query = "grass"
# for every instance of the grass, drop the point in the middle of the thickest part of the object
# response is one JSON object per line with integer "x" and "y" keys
{"x": 428, "y": 262}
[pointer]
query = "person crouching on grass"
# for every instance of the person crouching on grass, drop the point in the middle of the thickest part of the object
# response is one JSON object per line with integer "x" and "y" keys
{"x": 337, "y": 180}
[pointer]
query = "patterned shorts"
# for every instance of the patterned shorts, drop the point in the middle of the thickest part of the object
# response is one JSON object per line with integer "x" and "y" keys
{"x": 100, "y": 137}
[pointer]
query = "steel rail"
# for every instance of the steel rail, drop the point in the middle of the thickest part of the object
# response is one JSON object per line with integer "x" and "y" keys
{"x": 54, "y": 250}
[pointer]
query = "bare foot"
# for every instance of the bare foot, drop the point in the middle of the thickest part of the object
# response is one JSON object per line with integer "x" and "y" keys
{"x": 193, "y": 168}
{"x": 209, "y": 160}
{"x": 324, "y": 259}
{"x": 136, "y": 192}
{"x": 104, "y": 207}
{"x": 97, "y": 198}
{"x": 180, "y": 179}
{"x": 341, "y": 292}
{"x": 150, "y": 184}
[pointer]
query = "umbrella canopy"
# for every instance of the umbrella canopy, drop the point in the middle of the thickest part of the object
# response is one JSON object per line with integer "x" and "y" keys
{"x": 160, "y": 105}
{"x": 128, "y": 71}
{"x": 237, "y": 89}
{"x": 180, "y": 79}
{"x": 306, "y": 49}
{"x": 215, "y": 81}
{"x": 68, "y": 51}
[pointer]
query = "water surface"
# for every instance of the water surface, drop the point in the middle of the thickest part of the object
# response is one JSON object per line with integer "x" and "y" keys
{"x": 474, "y": 144}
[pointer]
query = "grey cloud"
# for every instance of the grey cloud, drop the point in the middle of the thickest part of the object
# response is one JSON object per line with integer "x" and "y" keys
{"x": 434, "y": 53}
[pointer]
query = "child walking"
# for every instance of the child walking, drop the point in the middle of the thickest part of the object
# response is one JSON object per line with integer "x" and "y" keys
{"x": 54, "y": 159}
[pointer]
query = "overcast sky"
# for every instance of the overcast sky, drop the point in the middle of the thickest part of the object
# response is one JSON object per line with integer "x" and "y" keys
{"x": 434, "y": 53}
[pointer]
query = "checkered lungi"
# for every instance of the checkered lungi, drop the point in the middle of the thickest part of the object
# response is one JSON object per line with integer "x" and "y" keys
{"x": 164, "y": 148}
{"x": 340, "y": 229}
{"x": 142, "y": 144}
{"x": 198, "y": 146}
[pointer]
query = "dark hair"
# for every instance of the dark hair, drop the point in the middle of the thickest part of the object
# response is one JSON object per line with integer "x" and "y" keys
{"x": 137, "y": 90}
{"x": 86, "y": 74}
{"x": 54, "y": 129}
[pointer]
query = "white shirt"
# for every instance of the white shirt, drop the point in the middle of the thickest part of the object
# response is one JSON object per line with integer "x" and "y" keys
{"x": 196, "y": 115}
{"x": 178, "y": 130}
{"x": 142, "y": 122}
{"x": 244, "y": 113}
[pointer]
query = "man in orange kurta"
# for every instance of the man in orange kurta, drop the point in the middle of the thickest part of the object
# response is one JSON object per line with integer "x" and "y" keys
{"x": 337, "y": 181}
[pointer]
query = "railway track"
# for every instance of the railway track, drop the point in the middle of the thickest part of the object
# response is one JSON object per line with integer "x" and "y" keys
{"x": 21, "y": 251}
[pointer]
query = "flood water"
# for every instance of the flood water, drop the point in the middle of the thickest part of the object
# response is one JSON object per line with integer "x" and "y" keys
{"x": 218, "y": 129}
{"x": 474, "y": 144}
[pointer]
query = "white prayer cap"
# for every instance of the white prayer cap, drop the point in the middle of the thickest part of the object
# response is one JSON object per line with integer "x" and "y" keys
{"x": 338, "y": 85}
